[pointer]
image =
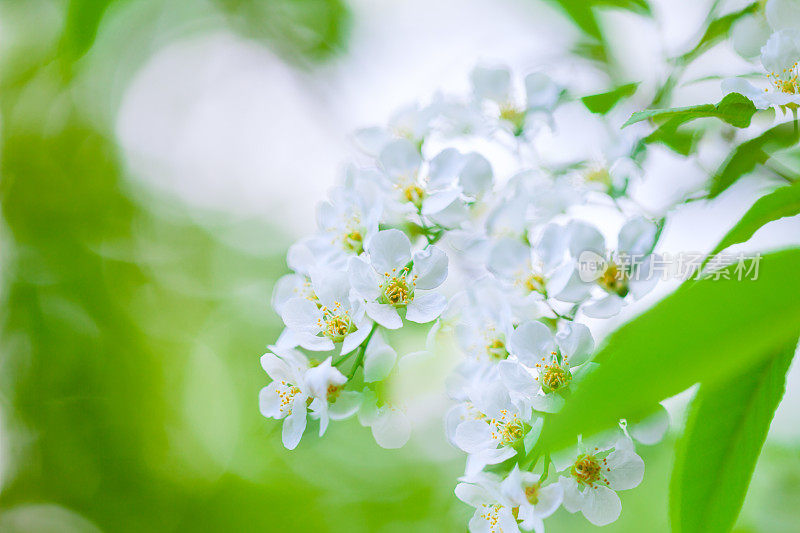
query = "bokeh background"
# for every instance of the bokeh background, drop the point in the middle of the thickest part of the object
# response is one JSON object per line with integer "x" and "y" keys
{"x": 159, "y": 156}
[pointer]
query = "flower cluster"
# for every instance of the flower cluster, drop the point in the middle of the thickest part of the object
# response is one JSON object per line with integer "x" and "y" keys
{"x": 429, "y": 230}
{"x": 780, "y": 55}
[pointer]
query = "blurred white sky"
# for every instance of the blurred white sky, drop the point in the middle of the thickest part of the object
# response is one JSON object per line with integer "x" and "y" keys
{"x": 223, "y": 123}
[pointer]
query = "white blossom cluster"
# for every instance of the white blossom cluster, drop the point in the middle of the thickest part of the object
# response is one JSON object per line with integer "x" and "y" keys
{"x": 779, "y": 55}
{"x": 429, "y": 231}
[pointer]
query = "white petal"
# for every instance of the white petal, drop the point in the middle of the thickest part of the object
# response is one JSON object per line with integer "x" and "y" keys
{"x": 384, "y": 314}
{"x": 783, "y": 14}
{"x": 548, "y": 403}
{"x": 576, "y": 342}
{"x": 474, "y": 436}
{"x": 531, "y": 341}
{"x": 491, "y": 83}
{"x": 345, "y": 406}
{"x": 552, "y": 244}
{"x": 425, "y": 306}
{"x": 400, "y": 158}
{"x": 372, "y": 140}
{"x": 516, "y": 378}
{"x": 636, "y": 236}
{"x": 331, "y": 287}
{"x": 574, "y": 289}
{"x": 652, "y": 429}
{"x": 300, "y": 258}
{"x": 301, "y": 315}
{"x": 430, "y": 267}
{"x": 389, "y": 249}
{"x": 286, "y": 288}
{"x": 268, "y": 401}
{"x": 354, "y": 340}
{"x": 473, "y": 494}
{"x": 585, "y": 237}
{"x": 781, "y": 51}
{"x": 275, "y": 367}
{"x": 295, "y": 423}
{"x": 627, "y": 470}
{"x": 379, "y": 359}
{"x": 749, "y": 34}
{"x": 476, "y": 176}
{"x": 363, "y": 278}
{"x": 542, "y": 92}
{"x": 320, "y": 377}
{"x": 392, "y": 429}
{"x": 550, "y": 498}
{"x": 509, "y": 258}
{"x": 444, "y": 168}
{"x": 313, "y": 342}
{"x": 573, "y": 499}
{"x": 439, "y": 201}
{"x": 606, "y": 307}
{"x": 601, "y": 505}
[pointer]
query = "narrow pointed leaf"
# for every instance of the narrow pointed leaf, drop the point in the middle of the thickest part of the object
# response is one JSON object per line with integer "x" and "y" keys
{"x": 780, "y": 203}
{"x": 706, "y": 331}
{"x": 717, "y": 454}
{"x": 735, "y": 109}
{"x": 602, "y": 103}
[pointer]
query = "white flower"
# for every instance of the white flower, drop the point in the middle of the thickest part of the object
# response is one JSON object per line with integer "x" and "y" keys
{"x": 595, "y": 474}
{"x": 325, "y": 384}
{"x": 779, "y": 57}
{"x": 533, "y": 271}
{"x": 379, "y": 359}
{"x": 350, "y": 217}
{"x": 386, "y": 281}
{"x": 485, "y": 325}
{"x": 494, "y": 85}
{"x": 288, "y": 394}
{"x": 496, "y": 427}
{"x": 412, "y": 123}
{"x": 533, "y": 501}
{"x": 553, "y": 358}
{"x": 334, "y": 317}
{"x": 607, "y": 277}
{"x": 390, "y": 426}
{"x": 493, "y": 512}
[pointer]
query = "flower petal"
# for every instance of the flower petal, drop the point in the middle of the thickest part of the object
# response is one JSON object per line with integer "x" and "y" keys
{"x": 476, "y": 176}
{"x": 345, "y": 406}
{"x": 531, "y": 341}
{"x": 430, "y": 267}
{"x": 652, "y": 429}
{"x": 491, "y": 83}
{"x": 389, "y": 249}
{"x": 363, "y": 278}
{"x": 354, "y": 339}
{"x": 606, "y": 307}
{"x": 379, "y": 359}
{"x": 585, "y": 237}
{"x": 425, "y": 306}
{"x": 269, "y": 403}
{"x": 391, "y": 430}
{"x": 295, "y": 423}
{"x": 637, "y": 236}
{"x": 400, "y": 158}
{"x": 474, "y": 436}
{"x": 301, "y": 315}
{"x": 601, "y": 505}
{"x": 626, "y": 470}
{"x": 384, "y": 314}
{"x": 576, "y": 342}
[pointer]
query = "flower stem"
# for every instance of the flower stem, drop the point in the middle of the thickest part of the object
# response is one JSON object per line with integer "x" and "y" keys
{"x": 360, "y": 355}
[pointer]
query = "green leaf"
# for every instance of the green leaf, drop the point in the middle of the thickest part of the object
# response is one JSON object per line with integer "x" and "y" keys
{"x": 747, "y": 155}
{"x": 717, "y": 30}
{"x": 706, "y": 331}
{"x": 735, "y": 109}
{"x": 780, "y": 203}
{"x": 603, "y": 102}
{"x": 681, "y": 141}
{"x": 725, "y": 432}
{"x": 636, "y": 6}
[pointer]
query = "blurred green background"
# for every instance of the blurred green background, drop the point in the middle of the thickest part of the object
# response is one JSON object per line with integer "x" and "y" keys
{"x": 132, "y": 323}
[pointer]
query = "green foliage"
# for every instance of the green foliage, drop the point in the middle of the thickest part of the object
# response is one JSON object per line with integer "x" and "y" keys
{"x": 717, "y": 30}
{"x": 307, "y": 29}
{"x": 747, "y": 155}
{"x": 782, "y": 202}
{"x": 723, "y": 438}
{"x": 602, "y": 103}
{"x": 735, "y": 109}
{"x": 706, "y": 331}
